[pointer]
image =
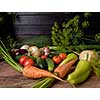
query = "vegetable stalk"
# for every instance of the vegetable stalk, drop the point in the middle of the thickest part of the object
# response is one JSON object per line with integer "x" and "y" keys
{"x": 6, "y": 56}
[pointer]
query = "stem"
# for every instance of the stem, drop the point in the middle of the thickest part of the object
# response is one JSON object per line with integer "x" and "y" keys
{"x": 12, "y": 63}
{"x": 17, "y": 68}
{"x": 3, "y": 46}
{"x": 47, "y": 83}
{"x": 91, "y": 40}
{"x": 7, "y": 54}
{"x": 37, "y": 85}
{"x": 53, "y": 47}
{"x": 73, "y": 51}
{"x": 10, "y": 60}
{"x": 50, "y": 83}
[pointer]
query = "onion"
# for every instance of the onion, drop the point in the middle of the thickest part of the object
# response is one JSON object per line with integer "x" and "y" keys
{"x": 46, "y": 51}
{"x": 36, "y": 54}
{"x": 26, "y": 47}
{"x": 34, "y": 51}
{"x": 21, "y": 51}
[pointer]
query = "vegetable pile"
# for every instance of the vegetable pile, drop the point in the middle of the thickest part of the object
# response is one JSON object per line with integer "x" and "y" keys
{"x": 69, "y": 59}
{"x": 52, "y": 64}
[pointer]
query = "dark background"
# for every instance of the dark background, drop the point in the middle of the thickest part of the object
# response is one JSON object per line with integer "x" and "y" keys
{"x": 28, "y": 24}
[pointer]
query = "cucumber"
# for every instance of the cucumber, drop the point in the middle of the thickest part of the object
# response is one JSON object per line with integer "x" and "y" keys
{"x": 16, "y": 58}
{"x": 41, "y": 63}
{"x": 33, "y": 58}
{"x": 50, "y": 64}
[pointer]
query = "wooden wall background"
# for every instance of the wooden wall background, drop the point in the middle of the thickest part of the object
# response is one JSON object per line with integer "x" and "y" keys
{"x": 29, "y": 24}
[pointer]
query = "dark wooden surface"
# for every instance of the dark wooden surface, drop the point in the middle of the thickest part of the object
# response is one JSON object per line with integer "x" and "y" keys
{"x": 9, "y": 78}
{"x": 28, "y": 24}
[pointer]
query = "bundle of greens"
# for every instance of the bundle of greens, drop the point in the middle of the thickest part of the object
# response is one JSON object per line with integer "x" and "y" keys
{"x": 6, "y": 56}
{"x": 96, "y": 66}
{"x": 71, "y": 32}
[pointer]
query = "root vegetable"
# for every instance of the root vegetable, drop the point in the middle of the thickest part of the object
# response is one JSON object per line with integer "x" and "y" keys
{"x": 33, "y": 72}
{"x": 61, "y": 70}
{"x": 64, "y": 69}
{"x": 92, "y": 54}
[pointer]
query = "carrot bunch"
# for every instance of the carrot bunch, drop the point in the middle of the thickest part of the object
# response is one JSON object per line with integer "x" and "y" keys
{"x": 63, "y": 68}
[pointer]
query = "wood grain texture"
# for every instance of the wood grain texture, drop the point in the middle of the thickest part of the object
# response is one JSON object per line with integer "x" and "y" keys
{"x": 31, "y": 23}
{"x": 9, "y": 78}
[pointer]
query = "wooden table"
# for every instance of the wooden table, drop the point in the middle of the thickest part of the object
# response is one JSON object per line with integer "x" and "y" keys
{"x": 9, "y": 78}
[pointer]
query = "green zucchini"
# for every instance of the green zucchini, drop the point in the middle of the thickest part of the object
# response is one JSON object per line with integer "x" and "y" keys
{"x": 32, "y": 57}
{"x": 50, "y": 64}
{"x": 41, "y": 63}
{"x": 16, "y": 58}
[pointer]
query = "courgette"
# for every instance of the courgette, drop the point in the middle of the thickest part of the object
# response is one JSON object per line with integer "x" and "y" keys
{"x": 16, "y": 58}
{"x": 50, "y": 64}
{"x": 41, "y": 63}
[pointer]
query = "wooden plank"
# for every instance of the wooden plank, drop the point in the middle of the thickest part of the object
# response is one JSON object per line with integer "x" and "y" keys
{"x": 9, "y": 78}
{"x": 41, "y": 13}
{"x": 32, "y": 30}
{"x": 37, "y": 19}
{"x": 41, "y": 22}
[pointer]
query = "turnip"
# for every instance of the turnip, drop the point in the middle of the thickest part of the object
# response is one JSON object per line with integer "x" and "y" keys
{"x": 91, "y": 55}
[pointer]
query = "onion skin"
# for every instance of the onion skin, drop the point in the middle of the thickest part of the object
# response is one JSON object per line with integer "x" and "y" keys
{"x": 20, "y": 52}
{"x": 34, "y": 51}
{"x": 26, "y": 47}
{"x": 36, "y": 54}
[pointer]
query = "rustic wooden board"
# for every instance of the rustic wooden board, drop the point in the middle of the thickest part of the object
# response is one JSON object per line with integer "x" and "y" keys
{"x": 28, "y": 24}
{"x": 9, "y": 78}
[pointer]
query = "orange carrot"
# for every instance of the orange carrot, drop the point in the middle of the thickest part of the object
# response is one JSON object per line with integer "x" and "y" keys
{"x": 33, "y": 72}
{"x": 64, "y": 69}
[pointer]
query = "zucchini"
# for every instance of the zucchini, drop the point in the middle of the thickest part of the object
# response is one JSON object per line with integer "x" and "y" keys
{"x": 41, "y": 63}
{"x": 32, "y": 57}
{"x": 16, "y": 58}
{"x": 50, "y": 64}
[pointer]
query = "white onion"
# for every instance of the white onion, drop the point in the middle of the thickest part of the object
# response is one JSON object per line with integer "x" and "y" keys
{"x": 33, "y": 50}
{"x": 26, "y": 47}
{"x": 36, "y": 54}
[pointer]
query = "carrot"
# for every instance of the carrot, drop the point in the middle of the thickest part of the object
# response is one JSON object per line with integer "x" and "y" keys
{"x": 62, "y": 70}
{"x": 33, "y": 72}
